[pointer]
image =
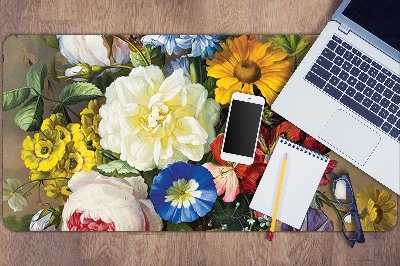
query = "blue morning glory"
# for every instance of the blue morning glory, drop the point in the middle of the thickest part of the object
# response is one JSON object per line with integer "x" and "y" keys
{"x": 183, "y": 192}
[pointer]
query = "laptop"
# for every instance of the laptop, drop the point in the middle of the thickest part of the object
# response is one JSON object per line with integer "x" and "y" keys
{"x": 346, "y": 91}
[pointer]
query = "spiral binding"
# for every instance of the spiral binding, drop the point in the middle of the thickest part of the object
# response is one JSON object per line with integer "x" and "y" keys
{"x": 305, "y": 150}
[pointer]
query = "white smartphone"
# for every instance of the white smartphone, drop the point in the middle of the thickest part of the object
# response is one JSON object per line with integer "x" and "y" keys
{"x": 242, "y": 127}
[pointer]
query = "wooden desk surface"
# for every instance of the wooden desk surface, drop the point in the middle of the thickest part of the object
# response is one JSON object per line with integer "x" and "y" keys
{"x": 168, "y": 248}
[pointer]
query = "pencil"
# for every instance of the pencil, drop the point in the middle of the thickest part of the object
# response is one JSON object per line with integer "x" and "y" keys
{"x": 277, "y": 198}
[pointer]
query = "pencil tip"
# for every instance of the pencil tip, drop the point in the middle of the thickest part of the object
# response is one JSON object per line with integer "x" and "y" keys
{"x": 285, "y": 155}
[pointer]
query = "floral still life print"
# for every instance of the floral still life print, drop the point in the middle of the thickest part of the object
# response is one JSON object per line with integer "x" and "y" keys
{"x": 124, "y": 133}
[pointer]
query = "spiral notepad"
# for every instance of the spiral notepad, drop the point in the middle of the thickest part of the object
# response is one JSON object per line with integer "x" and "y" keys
{"x": 304, "y": 170}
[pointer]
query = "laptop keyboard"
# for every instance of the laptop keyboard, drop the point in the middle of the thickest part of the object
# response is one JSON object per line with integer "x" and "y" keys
{"x": 360, "y": 83}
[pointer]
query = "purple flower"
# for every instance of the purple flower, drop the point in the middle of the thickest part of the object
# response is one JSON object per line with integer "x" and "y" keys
{"x": 315, "y": 220}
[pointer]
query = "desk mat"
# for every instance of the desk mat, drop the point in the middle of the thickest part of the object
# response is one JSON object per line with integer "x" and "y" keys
{"x": 123, "y": 132}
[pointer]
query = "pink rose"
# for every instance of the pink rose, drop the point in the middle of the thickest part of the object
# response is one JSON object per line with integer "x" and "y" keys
{"x": 101, "y": 203}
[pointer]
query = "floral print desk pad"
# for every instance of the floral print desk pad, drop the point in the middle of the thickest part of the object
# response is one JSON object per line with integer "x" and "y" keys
{"x": 124, "y": 132}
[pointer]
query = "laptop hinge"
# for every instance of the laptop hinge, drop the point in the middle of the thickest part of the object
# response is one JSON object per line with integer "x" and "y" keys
{"x": 344, "y": 29}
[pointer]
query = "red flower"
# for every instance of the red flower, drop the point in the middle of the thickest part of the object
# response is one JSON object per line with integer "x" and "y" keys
{"x": 315, "y": 145}
{"x": 226, "y": 175}
{"x": 329, "y": 168}
{"x": 266, "y": 141}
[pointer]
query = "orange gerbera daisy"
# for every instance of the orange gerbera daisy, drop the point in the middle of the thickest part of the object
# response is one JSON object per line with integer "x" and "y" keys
{"x": 243, "y": 63}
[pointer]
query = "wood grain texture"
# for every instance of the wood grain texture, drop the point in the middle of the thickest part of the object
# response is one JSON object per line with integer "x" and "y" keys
{"x": 163, "y": 248}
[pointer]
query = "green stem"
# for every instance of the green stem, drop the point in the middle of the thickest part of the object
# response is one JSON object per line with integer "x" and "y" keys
{"x": 21, "y": 186}
{"x": 251, "y": 213}
{"x": 44, "y": 97}
{"x": 48, "y": 99}
{"x": 195, "y": 69}
{"x": 334, "y": 209}
{"x": 32, "y": 187}
{"x": 131, "y": 44}
{"x": 44, "y": 179}
{"x": 119, "y": 66}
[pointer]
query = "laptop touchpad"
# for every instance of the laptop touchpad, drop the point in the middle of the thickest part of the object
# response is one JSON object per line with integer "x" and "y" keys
{"x": 350, "y": 136}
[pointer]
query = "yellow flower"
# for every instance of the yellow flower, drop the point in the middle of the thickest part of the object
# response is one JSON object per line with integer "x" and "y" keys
{"x": 57, "y": 188}
{"x": 38, "y": 176}
{"x": 244, "y": 63}
{"x": 77, "y": 158}
{"x": 90, "y": 119}
{"x": 53, "y": 121}
{"x": 42, "y": 152}
{"x": 67, "y": 133}
{"x": 380, "y": 211}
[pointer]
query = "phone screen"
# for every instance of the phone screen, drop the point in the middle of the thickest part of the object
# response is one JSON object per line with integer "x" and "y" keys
{"x": 242, "y": 128}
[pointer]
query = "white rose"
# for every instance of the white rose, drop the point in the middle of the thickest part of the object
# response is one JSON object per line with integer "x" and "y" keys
{"x": 93, "y": 50}
{"x": 101, "y": 203}
{"x": 153, "y": 121}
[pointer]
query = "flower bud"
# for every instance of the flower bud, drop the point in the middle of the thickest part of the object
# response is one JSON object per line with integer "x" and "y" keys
{"x": 84, "y": 72}
{"x": 46, "y": 219}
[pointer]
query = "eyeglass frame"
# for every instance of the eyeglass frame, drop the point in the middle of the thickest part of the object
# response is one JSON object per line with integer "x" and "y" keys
{"x": 359, "y": 234}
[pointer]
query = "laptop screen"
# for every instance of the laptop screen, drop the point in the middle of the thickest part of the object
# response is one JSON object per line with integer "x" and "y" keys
{"x": 379, "y": 17}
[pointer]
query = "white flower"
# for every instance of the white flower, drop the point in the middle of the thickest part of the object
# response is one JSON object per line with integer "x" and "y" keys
{"x": 93, "y": 50}
{"x": 251, "y": 221}
{"x": 70, "y": 72}
{"x": 73, "y": 71}
{"x": 12, "y": 192}
{"x": 224, "y": 227}
{"x": 264, "y": 220}
{"x": 101, "y": 203}
{"x": 41, "y": 224}
{"x": 153, "y": 121}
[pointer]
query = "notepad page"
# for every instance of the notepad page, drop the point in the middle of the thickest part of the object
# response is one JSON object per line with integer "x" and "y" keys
{"x": 304, "y": 170}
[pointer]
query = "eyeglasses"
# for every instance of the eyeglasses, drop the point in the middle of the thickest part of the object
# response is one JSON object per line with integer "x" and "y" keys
{"x": 358, "y": 235}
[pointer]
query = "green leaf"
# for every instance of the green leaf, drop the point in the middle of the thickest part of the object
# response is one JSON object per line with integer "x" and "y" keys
{"x": 35, "y": 77}
{"x": 211, "y": 84}
{"x": 13, "y": 224}
{"x": 316, "y": 202}
{"x": 103, "y": 82}
{"x": 117, "y": 167}
{"x": 108, "y": 155}
{"x": 14, "y": 98}
{"x": 51, "y": 68}
{"x": 155, "y": 56}
{"x": 60, "y": 108}
{"x": 232, "y": 214}
{"x": 290, "y": 44}
{"x": 148, "y": 177}
{"x": 78, "y": 92}
{"x": 52, "y": 41}
{"x": 30, "y": 116}
{"x": 181, "y": 227}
